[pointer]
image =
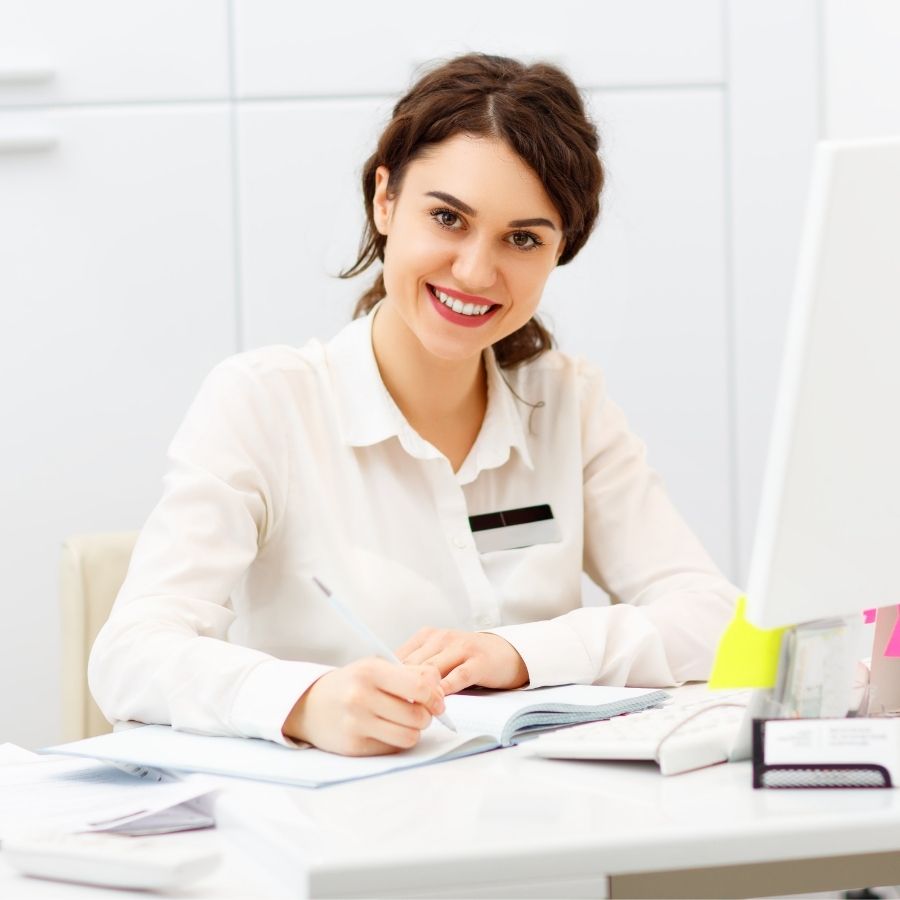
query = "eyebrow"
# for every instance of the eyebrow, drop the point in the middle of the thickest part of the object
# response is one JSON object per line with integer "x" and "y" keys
{"x": 465, "y": 208}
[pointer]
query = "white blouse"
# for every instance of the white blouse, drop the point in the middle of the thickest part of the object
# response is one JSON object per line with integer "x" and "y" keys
{"x": 296, "y": 462}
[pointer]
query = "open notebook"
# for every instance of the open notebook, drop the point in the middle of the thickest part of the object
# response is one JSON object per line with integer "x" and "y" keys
{"x": 486, "y": 720}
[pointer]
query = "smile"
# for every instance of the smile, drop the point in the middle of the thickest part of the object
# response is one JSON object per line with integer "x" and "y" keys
{"x": 459, "y": 311}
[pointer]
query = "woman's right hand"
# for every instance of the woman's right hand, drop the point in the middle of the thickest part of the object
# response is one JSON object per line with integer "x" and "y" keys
{"x": 368, "y": 707}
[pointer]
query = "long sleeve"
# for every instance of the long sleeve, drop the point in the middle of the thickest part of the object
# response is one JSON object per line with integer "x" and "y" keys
{"x": 670, "y": 603}
{"x": 162, "y": 657}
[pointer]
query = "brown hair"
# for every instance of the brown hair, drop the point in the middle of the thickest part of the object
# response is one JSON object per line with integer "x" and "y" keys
{"x": 537, "y": 111}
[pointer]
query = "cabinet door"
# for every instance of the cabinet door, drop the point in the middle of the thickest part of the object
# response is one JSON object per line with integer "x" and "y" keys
{"x": 646, "y": 299}
{"x": 302, "y": 215}
{"x": 117, "y": 297}
{"x": 56, "y": 51}
{"x": 375, "y": 49}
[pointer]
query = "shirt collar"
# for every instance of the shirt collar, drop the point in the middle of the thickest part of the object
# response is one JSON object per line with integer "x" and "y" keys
{"x": 369, "y": 415}
{"x": 367, "y": 412}
{"x": 502, "y": 429}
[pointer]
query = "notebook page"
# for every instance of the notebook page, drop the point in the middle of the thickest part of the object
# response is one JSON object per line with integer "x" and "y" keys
{"x": 487, "y": 712}
{"x": 161, "y": 747}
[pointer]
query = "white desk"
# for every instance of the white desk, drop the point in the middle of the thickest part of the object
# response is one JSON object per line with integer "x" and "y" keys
{"x": 239, "y": 877}
{"x": 507, "y": 824}
{"x": 504, "y": 824}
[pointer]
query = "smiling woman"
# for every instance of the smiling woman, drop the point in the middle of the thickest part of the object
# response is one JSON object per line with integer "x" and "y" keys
{"x": 535, "y": 117}
{"x": 437, "y": 463}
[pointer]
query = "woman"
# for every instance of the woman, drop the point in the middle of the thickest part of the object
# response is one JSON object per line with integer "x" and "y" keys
{"x": 436, "y": 464}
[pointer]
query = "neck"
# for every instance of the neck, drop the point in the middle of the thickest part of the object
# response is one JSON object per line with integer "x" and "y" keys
{"x": 428, "y": 390}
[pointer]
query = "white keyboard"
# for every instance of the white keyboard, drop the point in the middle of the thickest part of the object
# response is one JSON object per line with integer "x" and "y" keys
{"x": 678, "y": 737}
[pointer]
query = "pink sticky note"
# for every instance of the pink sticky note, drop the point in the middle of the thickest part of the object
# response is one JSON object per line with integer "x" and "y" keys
{"x": 869, "y": 616}
{"x": 893, "y": 644}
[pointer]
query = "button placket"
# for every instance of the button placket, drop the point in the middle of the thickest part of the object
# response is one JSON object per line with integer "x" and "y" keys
{"x": 454, "y": 516}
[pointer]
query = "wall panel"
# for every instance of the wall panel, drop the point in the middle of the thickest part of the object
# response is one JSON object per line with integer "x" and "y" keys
{"x": 374, "y": 49}
{"x": 117, "y": 299}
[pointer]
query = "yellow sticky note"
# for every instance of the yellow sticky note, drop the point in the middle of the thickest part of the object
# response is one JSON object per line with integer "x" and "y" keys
{"x": 747, "y": 656}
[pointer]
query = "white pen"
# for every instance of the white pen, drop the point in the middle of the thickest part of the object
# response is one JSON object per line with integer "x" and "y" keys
{"x": 368, "y": 635}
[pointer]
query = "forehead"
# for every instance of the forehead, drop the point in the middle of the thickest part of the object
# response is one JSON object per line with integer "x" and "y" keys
{"x": 483, "y": 172}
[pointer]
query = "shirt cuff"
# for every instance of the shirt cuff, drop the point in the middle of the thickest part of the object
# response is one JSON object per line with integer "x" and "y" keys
{"x": 552, "y": 652}
{"x": 268, "y": 694}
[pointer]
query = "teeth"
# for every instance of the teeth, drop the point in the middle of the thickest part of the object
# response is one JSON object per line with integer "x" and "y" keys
{"x": 466, "y": 309}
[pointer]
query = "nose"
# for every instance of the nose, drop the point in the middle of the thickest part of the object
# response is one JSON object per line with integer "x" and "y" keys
{"x": 475, "y": 268}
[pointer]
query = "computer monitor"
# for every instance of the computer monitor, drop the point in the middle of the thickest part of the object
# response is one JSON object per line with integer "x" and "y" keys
{"x": 828, "y": 535}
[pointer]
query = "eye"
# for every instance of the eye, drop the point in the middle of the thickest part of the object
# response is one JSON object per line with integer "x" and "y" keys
{"x": 525, "y": 240}
{"x": 446, "y": 218}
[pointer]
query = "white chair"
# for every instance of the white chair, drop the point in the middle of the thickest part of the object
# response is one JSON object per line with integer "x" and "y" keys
{"x": 92, "y": 570}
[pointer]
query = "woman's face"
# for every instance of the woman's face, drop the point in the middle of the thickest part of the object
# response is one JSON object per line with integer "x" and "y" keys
{"x": 471, "y": 239}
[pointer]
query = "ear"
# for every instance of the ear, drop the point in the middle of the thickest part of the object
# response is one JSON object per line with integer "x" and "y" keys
{"x": 382, "y": 205}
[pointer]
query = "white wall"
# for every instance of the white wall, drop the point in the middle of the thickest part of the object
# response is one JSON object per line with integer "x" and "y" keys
{"x": 798, "y": 72}
{"x": 186, "y": 180}
{"x": 861, "y": 68}
{"x": 774, "y": 100}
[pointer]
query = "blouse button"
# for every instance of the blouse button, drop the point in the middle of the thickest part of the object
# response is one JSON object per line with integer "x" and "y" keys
{"x": 460, "y": 543}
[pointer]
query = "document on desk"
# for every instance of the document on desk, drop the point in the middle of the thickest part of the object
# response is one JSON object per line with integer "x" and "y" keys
{"x": 62, "y": 793}
{"x": 486, "y": 720}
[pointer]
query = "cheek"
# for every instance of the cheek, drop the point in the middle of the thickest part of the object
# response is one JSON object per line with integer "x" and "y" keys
{"x": 414, "y": 253}
{"x": 528, "y": 287}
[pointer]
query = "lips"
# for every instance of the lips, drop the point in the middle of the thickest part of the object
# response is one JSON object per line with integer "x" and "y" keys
{"x": 468, "y": 321}
{"x": 463, "y": 298}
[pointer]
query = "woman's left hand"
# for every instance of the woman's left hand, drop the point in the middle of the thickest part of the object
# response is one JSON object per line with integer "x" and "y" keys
{"x": 466, "y": 658}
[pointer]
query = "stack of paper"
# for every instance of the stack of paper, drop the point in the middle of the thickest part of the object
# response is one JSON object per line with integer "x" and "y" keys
{"x": 63, "y": 793}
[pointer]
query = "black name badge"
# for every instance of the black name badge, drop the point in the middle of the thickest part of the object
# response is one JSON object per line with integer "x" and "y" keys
{"x": 512, "y": 529}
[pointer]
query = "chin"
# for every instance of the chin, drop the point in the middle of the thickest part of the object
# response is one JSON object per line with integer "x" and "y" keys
{"x": 450, "y": 351}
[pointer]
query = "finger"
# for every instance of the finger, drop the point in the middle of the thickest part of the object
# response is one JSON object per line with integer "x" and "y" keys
{"x": 424, "y": 654}
{"x": 416, "y": 683}
{"x": 459, "y": 678}
{"x": 413, "y": 644}
{"x": 434, "y": 644}
{"x": 446, "y": 659}
{"x": 399, "y": 712}
{"x": 397, "y": 737}
{"x": 426, "y": 650}
{"x": 394, "y": 723}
